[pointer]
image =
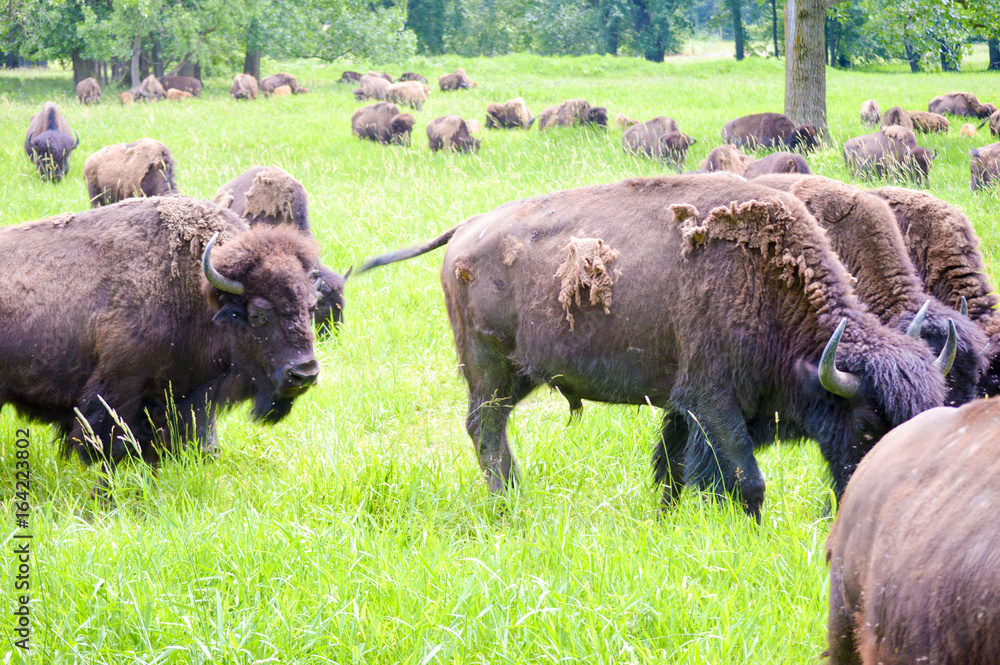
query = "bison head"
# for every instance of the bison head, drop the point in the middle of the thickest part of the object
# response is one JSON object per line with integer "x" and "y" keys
{"x": 804, "y": 137}
{"x": 598, "y": 115}
{"x": 400, "y": 128}
{"x": 261, "y": 285}
{"x": 50, "y": 152}
{"x": 330, "y": 307}
{"x": 674, "y": 146}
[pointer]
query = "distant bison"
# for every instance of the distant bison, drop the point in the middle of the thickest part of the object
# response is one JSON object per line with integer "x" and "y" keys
{"x": 411, "y": 76}
{"x": 458, "y": 79}
{"x": 382, "y": 122}
{"x": 985, "y": 166}
{"x": 176, "y": 95}
{"x": 512, "y": 114}
{"x": 929, "y": 123}
{"x": 88, "y": 91}
{"x": 914, "y": 574}
{"x": 150, "y": 88}
{"x": 871, "y": 114}
{"x": 409, "y": 93}
{"x": 49, "y": 142}
{"x": 187, "y": 84}
{"x": 778, "y": 162}
{"x": 244, "y": 87}
{"x": 769, "y": 130}
{"x": 622, "y": 121}
{"x": 382, "y": 75}
{"x": 715, "y": 299}
{"x": 451, "y": 132}
{"x": 726, "y": 157}
{"x": 890, "y": 152}
{"x": 573, "y": 112}
{"x": 349, "y": 77}
{"x": 660, "y": 138}
{"x": 897, "y": 116}
{"x": 269, "y": 84}
{"x": 961, "y": 104}
{"x": 371, "y": 87}
{"x": 994, "y": 123}
{"x": 124, "y": 170}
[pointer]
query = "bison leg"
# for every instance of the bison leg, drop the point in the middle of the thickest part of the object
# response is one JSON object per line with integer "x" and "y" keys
{"x": 840, "y": 635}
{"x": 490, "y": 405}
{"x": 668, "y": 457}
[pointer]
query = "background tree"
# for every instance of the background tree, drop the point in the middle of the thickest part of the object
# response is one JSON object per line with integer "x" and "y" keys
{"x": 805, "y": 63}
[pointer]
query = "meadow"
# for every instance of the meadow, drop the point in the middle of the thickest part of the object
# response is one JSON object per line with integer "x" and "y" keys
{"x": 359, "y": 529}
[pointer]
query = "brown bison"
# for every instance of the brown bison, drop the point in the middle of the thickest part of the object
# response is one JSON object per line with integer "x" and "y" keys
{"x": 409, "y": 93}
{"x": 188, "y": 84}
{"x": 88, "y": 91}
{"x": 382, "y": 122}
{"x": 769, "y": 130}
{"x": 270, "y": 196}
{"x": 660, "y": 138}
{"x": 133, "y": 323}
{"x": 871, "y": 114}
{"x": 411, "y": 76}
{"x": 914, "y": 575}
{"x": 282, "y": 91}
{"x": 891, "y": 152}
{"x": 124, "y": 170}
{"x": 451, "y": 132}
{"x": 458, "y": 79}
{"x": 382, "y": 75}
{"x": 270, "y": 83}
{"x": 945, "y": 251}
{"x": 994, "y": 123}
{"x": 928, "y": 123}
{"x": 962, "y": 104}
{"x": 371, "y": 87}
{"x": 49, "y": 142}
{"x": 126, "y": 98}
{"x": 778, "y": 162}
{"x": 175, "y": 95}
{"x": 716, "y": 299}
{"x": 968, "y": 131}
{"x": 349, "y": 77}
{"x": 897, "y": 116}
{"x": 985, "y": 166}
{"x": 512, "y": 114}
{"x": 622, "y": 121}
{"x": 864, "y": 234}
{"x": 726, "y": 157}
{"x": 244, "y": 87}
{"x": 150, "y": 88}
{"x": 573, "y": 112}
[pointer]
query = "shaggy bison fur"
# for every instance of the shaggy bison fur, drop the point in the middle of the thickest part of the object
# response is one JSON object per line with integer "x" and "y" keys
{"x": 726, "y": 157}
{"x": 659, "y": 138}
{"x": 349, "y": 77}
{"x": 408, "y": 93}
{"x": 871, "y": 114}
{"x": 891, "y": 152}
{"x": 985, "y": 166}
{"x": 150, "y": 89}
{"x": 457, "y": 80}
{"x": 512, "y": 114}
{"x": 778, "y": 162}
{"x": 897, "y": 116}
{"x": 49, "y": 142}
{"x": 382, "y": 122}
{"x": 371, "y": 87}
{"x": 411, "y": 76}
{"x": 124, "y": 170}
{"x": 928, "y": 123}
{"x": 244, "y": 87}
{"x": 188, "y": 84}
{"x": 451, "y": 132}
{"x": 88, "y": 91}
{"x": 769, "y": 130}
{"x": 994, "y": 122}
{"x": 270, "y": 83}
{"x": 961, "y": 104}
{"x": 573, "y": 112}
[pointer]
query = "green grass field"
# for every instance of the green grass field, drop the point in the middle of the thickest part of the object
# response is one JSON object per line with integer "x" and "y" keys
{"x": 359, "y": 529}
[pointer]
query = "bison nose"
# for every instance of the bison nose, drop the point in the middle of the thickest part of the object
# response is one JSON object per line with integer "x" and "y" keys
{"x": 301, "y": 375}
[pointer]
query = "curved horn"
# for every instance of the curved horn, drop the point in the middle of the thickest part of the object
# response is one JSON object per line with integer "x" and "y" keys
{"x": 213, "y": 276}
{"x": 77, "y": 138}
{"x": 963, "y": 309}
{"x": 913, "y": 330}
{"x": 947, "y": 357}
{"x": 839, "y": 383}
{"x": 980, "y": 125}
{"x": 348, "y": 273}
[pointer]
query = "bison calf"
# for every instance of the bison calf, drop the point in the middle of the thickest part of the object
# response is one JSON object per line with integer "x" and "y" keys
{"x": 88, "y": 91}
{"x": 451, "y": 132}
{"x": 660, "y": 138}
{"x": 49, "y": 142}
{"x": 124, "y": 170}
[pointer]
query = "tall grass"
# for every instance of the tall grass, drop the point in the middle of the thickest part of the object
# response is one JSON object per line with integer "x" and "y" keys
{"x": 359, "y": 529}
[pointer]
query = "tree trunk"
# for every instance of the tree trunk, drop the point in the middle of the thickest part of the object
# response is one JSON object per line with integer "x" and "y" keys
{"x": 736, "y": 9}
{"x": 805, "y": 64}
{"x": 251, "y": 63}
{"x": 136, "y": 46}
{"x": 994, "y": 54}
{"x": 913, "y": 57}
{"x": 774, "y": 27}
{"x": 157, "y": 59}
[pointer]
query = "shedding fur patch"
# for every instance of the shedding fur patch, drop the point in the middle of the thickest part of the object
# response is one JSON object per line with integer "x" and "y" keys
{"x": 192, "y": 223}
{"x": 271, "y": 194}
{"x": 692, "y": 232}
{"x": 585, "y": 267}
{"x": 462, "y": 270}
{"x": 509, "y": 248}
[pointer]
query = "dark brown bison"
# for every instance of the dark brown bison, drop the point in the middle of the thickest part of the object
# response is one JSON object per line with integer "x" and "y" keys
{"x": 573, "y": 112}
{"x": 187, "y": 84}
{"x": 382, "y": 122}
{"x": 778, "y": 162}
{"x": 985, "y": 166}
{"x": 270, "y": 196}
{"x": 891, "y": 152}
{"x": 133, "y": 321}
{"x": 244, "y": 87}
{"x": 349, "y": 77}
{"x": 49, "y": 142}
{"x": 269, "y": 84}
{"x": 962, "y": 104}
{"x": 88, "y": 91}
{"x": 660, "y": 138}
{"x": 371, "y": 87}
{"x": 512, "y": 114}
{"x": 871, "y": 114}
{"x": 457, "y": 80}
{"x": 176, "y": 95}
{"x": 409, "y": 93}
{"x": 864, "y": 234}
{"x": 150, "y": 89}
{"x": 994, "y": 123}
{"x": 715, "y": 299}
{"x": 769, "y": 130}
{"x": 914, "y": 574}
{"x": 411, "y": 76}
{"x": 945, "y": 250}
{"x": 726, "y": 157}
{"x": 123, "y": 170}
{"x": 928, "y": 123}
{"x": 897, "y": 116}
{"x": 451, "y": 132}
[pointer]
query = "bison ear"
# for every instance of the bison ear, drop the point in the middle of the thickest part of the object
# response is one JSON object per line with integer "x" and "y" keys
{"x": 232, "y": 312}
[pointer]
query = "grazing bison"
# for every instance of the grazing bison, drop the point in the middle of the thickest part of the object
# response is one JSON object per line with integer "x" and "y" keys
{"x": 150, "y": 88}
{"x": 349, "y": 77}
{"x": 126, "y": 98}
{"x": 864, "y": 234}
{"x": 893, "y": 151}
{"x": 176, "y": 95}
{"x": 270, "y": 196}
{"x": 945, "y": 250}
{"x": 715, "y": 299}
{"x": 725, "y": 158}
{"x": 660, "y": 138}
{"x": 573, "y": 112}
{"x": 382, "y": 122}
{"x": 244, "y": 87}
{"x": 769, "y": 130}
{"x": 371, "y": 87}
{"x": 962, "y": 104}
{"x": 132, "y": 320}
{"x": 928, "y": 123}
{"x": 994, "y": 123}
{"x": 411, "y": 76}
{"x": 141, "y": 168}
{"x": 269, "y": 84}
{"x": 871, "y": 114}
{"x": 512, "y": 114}
{"x": 451, "y": 132}
{"x": 985, "y": 166}
{"x": 88, "y": 91}
{"x": 187, "y": 84}
{"x": 410, "y": 93}
{"x": 382, "y": 75}
{"x": 914, "y": 575}
{"x": 897, "y": 116}
{"x": 458, "y": 79}
{"x": 778, "y": 162}
{"x": 49, "y": 142}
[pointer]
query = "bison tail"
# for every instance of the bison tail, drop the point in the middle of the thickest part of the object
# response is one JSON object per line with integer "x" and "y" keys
{"x": 408, "y": 253}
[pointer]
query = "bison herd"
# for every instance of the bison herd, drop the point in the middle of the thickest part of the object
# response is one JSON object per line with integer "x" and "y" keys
{"x": 724, "y": 297}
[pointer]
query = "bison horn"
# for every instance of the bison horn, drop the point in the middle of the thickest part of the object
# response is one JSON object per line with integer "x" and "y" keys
{"x": 348, "y": 273}
{"x": 913, "y": 330}
{"x": 214, "y": 277}
{"x": 77, "y": 138}
{"x": 980, "y": 125}
{"x": 963, "y": 309}
{"x": 947, "y": 357}
{"x": 839, "y": 383}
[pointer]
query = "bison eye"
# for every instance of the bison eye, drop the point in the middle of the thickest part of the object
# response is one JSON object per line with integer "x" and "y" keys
{"x": 257, "y": 316}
